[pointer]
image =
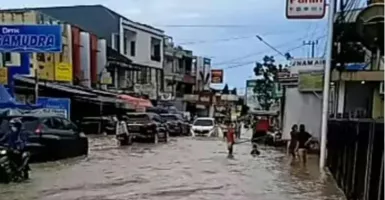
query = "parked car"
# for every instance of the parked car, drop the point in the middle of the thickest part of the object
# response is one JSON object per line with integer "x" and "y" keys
{"x": 204, "y": 126}
{"x": 95, "y": 125}
{"x": 176, "y": 124}
{"x": 50, "y": 137}
{"x": 148, "y": 126}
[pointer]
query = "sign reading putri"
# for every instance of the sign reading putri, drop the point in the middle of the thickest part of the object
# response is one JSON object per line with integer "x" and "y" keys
{"x": 305, "y": 9}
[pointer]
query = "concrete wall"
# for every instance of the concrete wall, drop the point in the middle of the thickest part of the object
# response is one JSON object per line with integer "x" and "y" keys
{"x": 143, "y": 35}
{"x": 302, "y": 108}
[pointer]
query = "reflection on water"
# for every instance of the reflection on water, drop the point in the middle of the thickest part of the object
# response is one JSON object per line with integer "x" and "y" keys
{"x": 183, "y": 169}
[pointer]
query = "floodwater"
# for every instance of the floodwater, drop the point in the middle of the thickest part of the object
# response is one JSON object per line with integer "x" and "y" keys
{"x": 185, "y": 168}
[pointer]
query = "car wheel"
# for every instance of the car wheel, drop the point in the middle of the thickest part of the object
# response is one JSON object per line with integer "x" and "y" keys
{"x": 156, "y": 138}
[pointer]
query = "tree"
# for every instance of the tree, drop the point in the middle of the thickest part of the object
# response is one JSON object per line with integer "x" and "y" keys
{"x": 265, "y": 87}
{"x": 226, "y": 90}
{"x": 234, "y": 91}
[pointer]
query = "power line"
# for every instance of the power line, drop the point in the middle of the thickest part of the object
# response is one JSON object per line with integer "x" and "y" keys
{"x": 258, "y": 52}
{"x": 217, "y": 40}
{"x": 232, "y": 38}
{"x": 251, "y": 62}
{"x": 207, "y": 26}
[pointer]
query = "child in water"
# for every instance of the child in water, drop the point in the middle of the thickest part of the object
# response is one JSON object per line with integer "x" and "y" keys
{"x": 255, "y": 151}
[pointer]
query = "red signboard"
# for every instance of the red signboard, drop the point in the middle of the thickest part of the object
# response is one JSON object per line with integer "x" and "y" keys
{"x": 305, "y": 9}
{"x": 217, "y": 76}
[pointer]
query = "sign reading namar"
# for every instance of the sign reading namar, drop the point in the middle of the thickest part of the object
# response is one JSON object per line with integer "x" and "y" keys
{"x": 30, "y": 38}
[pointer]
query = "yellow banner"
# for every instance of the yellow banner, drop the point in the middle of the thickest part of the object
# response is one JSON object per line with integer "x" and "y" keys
{"x": 63, "y": 72}
{"x": 3, "y": 75}
{"x": 106, "y": 81}
{"x": 45, "y": 71}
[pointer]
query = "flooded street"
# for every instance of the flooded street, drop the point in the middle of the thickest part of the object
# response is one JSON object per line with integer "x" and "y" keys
{"x": 186, "y": 168}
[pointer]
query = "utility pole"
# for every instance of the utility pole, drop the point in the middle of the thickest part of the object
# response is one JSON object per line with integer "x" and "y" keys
{"x": 312, "y": 44}
{"x": 325, "y": 99}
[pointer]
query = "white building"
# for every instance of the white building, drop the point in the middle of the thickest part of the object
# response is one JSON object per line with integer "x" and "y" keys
{"x": 140, "y": 43}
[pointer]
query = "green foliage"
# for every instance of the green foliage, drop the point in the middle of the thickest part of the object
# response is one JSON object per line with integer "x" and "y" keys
{"x": 265, "y": 87}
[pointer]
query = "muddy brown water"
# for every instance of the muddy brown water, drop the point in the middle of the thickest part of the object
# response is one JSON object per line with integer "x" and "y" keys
{"x": 185, "y": 168}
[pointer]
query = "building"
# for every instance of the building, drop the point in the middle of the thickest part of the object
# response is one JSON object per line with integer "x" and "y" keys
{"x": 203, "y": 73}
{"x": 48, "y": 66}
{"x": 140, "y": 43}
{"x": 302, "y": 95}
{"x": 359, "y": 65}
{"x": 178, "y": 74}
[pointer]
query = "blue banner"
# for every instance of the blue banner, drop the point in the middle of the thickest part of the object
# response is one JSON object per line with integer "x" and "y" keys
{"x": 30, "y": 38}
{"x": 55, "y": 106}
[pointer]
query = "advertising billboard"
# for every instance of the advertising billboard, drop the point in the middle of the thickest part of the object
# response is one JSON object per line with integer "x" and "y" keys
{"x": 30, "y": 38}
{"x": 55, "y": 106}
{"x": 310, "y": 81}
{"x": 217, "y": 76}
{"x": 304, "y": 9}
{"x": 252, "y": 97}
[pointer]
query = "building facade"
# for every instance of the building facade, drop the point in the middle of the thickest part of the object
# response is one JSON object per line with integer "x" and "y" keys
{"x": 140, "y": 43}
{"x": 178, "y": 74}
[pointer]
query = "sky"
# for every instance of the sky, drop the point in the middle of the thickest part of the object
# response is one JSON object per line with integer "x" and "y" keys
{"x": 223, "y": 30}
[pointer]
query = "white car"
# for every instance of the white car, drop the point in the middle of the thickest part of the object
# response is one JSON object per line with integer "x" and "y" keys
{"x": 203, "y": 126}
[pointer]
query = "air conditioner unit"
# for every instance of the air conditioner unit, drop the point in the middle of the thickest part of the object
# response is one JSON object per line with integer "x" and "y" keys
{"x": 382, "y": 88}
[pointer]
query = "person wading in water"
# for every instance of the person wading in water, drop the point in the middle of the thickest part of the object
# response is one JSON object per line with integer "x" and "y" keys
{"x": 230, "y": 139}
{"x": 303, "y": 138}
{"x": 293, "y": 143}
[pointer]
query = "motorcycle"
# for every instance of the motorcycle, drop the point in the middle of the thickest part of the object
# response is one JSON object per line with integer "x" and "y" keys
{"x": 10, "y": 170}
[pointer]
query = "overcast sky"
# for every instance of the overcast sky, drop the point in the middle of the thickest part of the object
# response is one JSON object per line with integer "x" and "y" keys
{"x": 231, "y": 47}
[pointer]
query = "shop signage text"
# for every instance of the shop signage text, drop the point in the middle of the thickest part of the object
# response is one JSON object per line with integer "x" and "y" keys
{"x": 30, "y": 38}
{"x": 308, "y": 62}
{"x": 63, "y": 72}
{"x": 59, "y": 106}
{"x": 305, "y": 9}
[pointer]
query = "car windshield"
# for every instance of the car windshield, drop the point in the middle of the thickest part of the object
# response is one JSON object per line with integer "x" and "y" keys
{"x": 204, "y": 122}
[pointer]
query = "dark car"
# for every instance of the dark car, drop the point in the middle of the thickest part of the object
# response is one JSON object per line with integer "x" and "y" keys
{"x": 148, "y": 126}
{"x": 50, "y": 137}
{"x": 100, "y": 124}
{"x": 176, "y": 124}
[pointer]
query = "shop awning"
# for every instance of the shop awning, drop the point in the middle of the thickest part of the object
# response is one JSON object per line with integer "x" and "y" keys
{"x": 54, "y": 86}
{"x": 137, "y": 102}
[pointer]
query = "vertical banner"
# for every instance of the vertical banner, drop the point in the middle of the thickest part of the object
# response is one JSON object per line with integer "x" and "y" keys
{"x": 217, "y": 76}
{"x": 3, "y": 76}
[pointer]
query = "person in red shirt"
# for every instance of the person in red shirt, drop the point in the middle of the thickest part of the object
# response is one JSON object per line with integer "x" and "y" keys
{"x": 230, "y": 137}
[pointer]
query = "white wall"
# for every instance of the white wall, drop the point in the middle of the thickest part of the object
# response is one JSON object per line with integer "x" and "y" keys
{"x": 302, "y": 108}
{"x": 143, "y": 43}
{"x": 102, "y": 56}
{"x": 85, "y": 59}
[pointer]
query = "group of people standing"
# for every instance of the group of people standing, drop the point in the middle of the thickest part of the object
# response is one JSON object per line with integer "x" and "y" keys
{"x": 299, "y": 143}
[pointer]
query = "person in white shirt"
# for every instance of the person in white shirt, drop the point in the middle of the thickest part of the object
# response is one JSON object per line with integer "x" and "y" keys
{"x": 121, "y": 130}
